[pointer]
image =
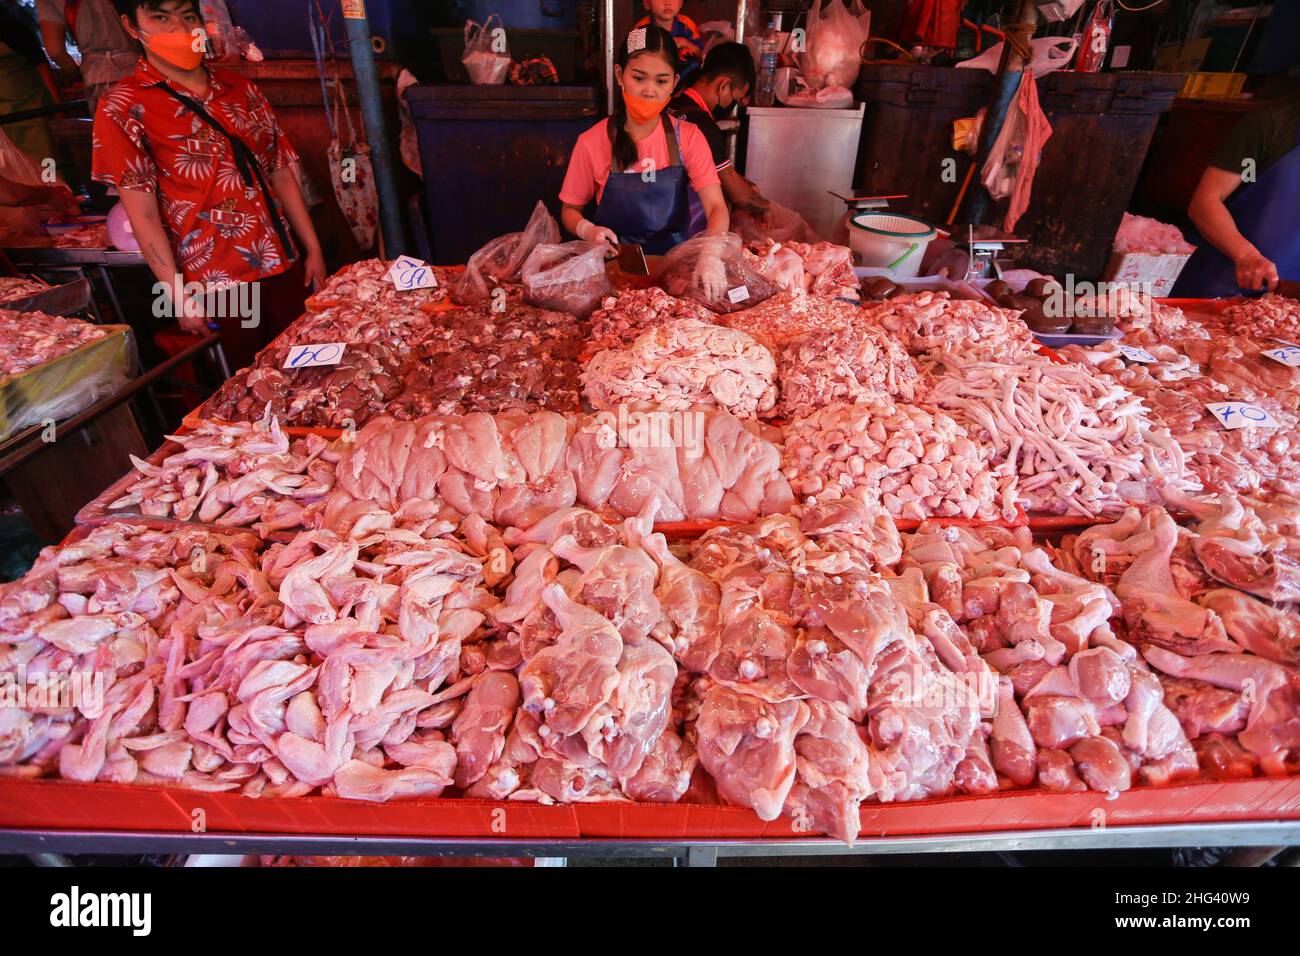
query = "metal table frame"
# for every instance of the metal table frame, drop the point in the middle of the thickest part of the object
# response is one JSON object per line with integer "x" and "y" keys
{"x": 77, "y": 261}
{"x": 683, "y": 852}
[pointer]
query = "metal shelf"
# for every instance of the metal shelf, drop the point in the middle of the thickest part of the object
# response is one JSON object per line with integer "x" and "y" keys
{"x": 693, "y": 852}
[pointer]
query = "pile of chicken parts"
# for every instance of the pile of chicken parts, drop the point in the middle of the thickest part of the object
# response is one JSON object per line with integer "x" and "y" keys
{"x": 798, "y": 665}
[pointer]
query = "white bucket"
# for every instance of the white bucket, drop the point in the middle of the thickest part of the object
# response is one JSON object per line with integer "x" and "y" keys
{"x": 889, "y": 241}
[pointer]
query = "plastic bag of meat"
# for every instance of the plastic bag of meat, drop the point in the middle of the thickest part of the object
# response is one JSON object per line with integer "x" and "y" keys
{"x": 713, "y": 271}
{"x": 501, "y": 259}
{"x": 568, "y": 277}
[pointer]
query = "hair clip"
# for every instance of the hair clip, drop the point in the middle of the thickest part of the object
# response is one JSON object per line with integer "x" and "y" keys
{"x": 636, "y": 40}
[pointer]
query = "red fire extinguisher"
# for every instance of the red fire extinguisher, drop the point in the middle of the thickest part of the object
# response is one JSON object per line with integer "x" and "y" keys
{"x": 1096, "y": 38}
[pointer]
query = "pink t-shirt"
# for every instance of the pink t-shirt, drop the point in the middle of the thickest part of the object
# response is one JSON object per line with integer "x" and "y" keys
{"x": 593, "y": 155}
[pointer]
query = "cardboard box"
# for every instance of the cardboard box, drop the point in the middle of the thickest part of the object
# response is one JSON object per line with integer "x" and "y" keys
{"x": 1159, "y": 269}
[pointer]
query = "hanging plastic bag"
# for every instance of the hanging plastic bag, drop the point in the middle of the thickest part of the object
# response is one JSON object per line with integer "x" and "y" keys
{"x": 712, "y": 270}
{"x": 351, "y": 174}
{"x": 568, "y": 277}
{"x": 501, "y": 259}
{"x": 1013, "y": 160}
{"x": 408, "y": 141}
{"x": 836, "y": 33}
{"x": 487, "y": 54}
{"x": 1050, "y": 53}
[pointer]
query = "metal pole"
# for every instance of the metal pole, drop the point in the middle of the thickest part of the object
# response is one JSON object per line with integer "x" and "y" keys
{"x": 372, "y": 113}
{"x": 1010, "y": 72}
{"x": 609, "y": 56}
{"x": 742, "y": 13}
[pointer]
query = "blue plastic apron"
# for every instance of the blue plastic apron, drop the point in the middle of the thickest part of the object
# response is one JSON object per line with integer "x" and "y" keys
{"x": 650, "y": 211}
{"x": 1265, "y": 213}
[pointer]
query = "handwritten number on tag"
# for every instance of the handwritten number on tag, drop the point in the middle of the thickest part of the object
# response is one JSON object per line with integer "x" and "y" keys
{"x": 307, "y": 356}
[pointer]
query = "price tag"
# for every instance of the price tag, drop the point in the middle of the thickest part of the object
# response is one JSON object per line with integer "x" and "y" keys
{"x": 739, "y": 294}
{"x": 1135, "y": 353}
{"x": 306, "y": 356}
{"x": 408, "y": 273}
{"x": 1242, "y": 415}
{"x": 1288, "y": 355}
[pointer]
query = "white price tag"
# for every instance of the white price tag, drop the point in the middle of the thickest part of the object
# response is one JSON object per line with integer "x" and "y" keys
{"x": 408, "y": 273}
{"x": 1135, "y": 353}
{"x": 1242, "y": 415}
{"x": 739, "y": 294}
{"x": 1288, "y": 355}
{"x": 306, "y": 356}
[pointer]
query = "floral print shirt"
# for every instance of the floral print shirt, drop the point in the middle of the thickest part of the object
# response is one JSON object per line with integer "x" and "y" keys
{"x": 220, "y": 228}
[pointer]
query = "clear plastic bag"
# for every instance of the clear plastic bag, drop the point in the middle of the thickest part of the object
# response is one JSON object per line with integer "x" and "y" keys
{"x": 501, "y": 259}
{"x": 67, "y": 384}
{"x": 487, "y": 55}
{"x": 712, "y": 270}
{"x": 779, "y": 224}
{"x": 836, "y": 32}
{"x": 568, "y": 277}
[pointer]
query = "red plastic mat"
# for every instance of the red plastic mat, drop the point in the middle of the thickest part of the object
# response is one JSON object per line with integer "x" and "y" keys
{"x": 58, "y": 804}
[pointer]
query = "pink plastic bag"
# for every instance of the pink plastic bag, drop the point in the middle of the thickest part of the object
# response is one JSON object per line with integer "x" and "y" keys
{"x": 836, "y": 32}
{"x": 1013, "y": 160}
{"x": 487, "y": 56}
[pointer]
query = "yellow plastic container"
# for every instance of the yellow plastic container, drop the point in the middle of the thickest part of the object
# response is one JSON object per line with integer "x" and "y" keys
{"x": 1213, "y": 86}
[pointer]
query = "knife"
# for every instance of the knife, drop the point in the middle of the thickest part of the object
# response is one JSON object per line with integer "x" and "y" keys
{"x": 1289, "y": 288}
{"x": 631, "y": 259}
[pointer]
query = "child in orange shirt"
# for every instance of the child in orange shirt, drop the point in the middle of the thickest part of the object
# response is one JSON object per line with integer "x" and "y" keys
{"x": 666, "y": 15}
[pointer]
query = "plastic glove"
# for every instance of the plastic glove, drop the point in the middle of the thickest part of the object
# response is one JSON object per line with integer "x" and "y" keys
{"x": 711, "y": 276}
{"x": 590, "y": 232}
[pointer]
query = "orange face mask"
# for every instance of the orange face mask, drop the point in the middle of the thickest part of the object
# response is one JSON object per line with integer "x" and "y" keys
{"x": 176, "y": 48}
{"x": 640, "y": 109}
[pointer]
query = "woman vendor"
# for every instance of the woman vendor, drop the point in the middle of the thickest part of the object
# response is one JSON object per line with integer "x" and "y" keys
{"x": 637, "y": 163}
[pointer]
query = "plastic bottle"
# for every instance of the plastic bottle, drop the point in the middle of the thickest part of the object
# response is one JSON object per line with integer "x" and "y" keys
{"x": 217, "y": 23}
{"x": 1096, "y": 39}
{"x": 767, "y": 66}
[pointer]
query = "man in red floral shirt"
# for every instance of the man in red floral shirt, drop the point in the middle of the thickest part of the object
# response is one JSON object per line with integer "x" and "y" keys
{"x": 203, "y": 172}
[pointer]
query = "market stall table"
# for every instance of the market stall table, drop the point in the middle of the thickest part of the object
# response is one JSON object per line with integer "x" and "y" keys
{"x": 81, "y": 262}
{"x": 53, "y": 479}
{"x": 30, "y": 842}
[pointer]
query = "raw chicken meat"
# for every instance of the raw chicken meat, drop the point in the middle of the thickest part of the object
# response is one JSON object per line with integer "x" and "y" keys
{"x": 622, "y": 319}
{"x": 850, "y": 364}
{"x": 821, "y": 268}
{"x": 485, "y": 360}
{"x": 28, "y": 339}
{"x": 1080, "y": 443}
{"x": 914, "y": 459}
{"x": 748, "y": 746}
{"x": 20, "y": 287}
{"x": 1267, "y": 317}
{"x": 791, "y": 315}
{"x": 682, "y": 364}
{"x": 927, "y": 321}
{"x": 515, "y": 469}
{"x": 347, "y": 394}
{"x": 243, "y": 474}
{"x": 366, "y": 283}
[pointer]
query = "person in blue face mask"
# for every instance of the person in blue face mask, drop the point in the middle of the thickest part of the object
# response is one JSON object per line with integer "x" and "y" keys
{"x": 1245, "y": 208}
{"x": 725, "y": 81}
